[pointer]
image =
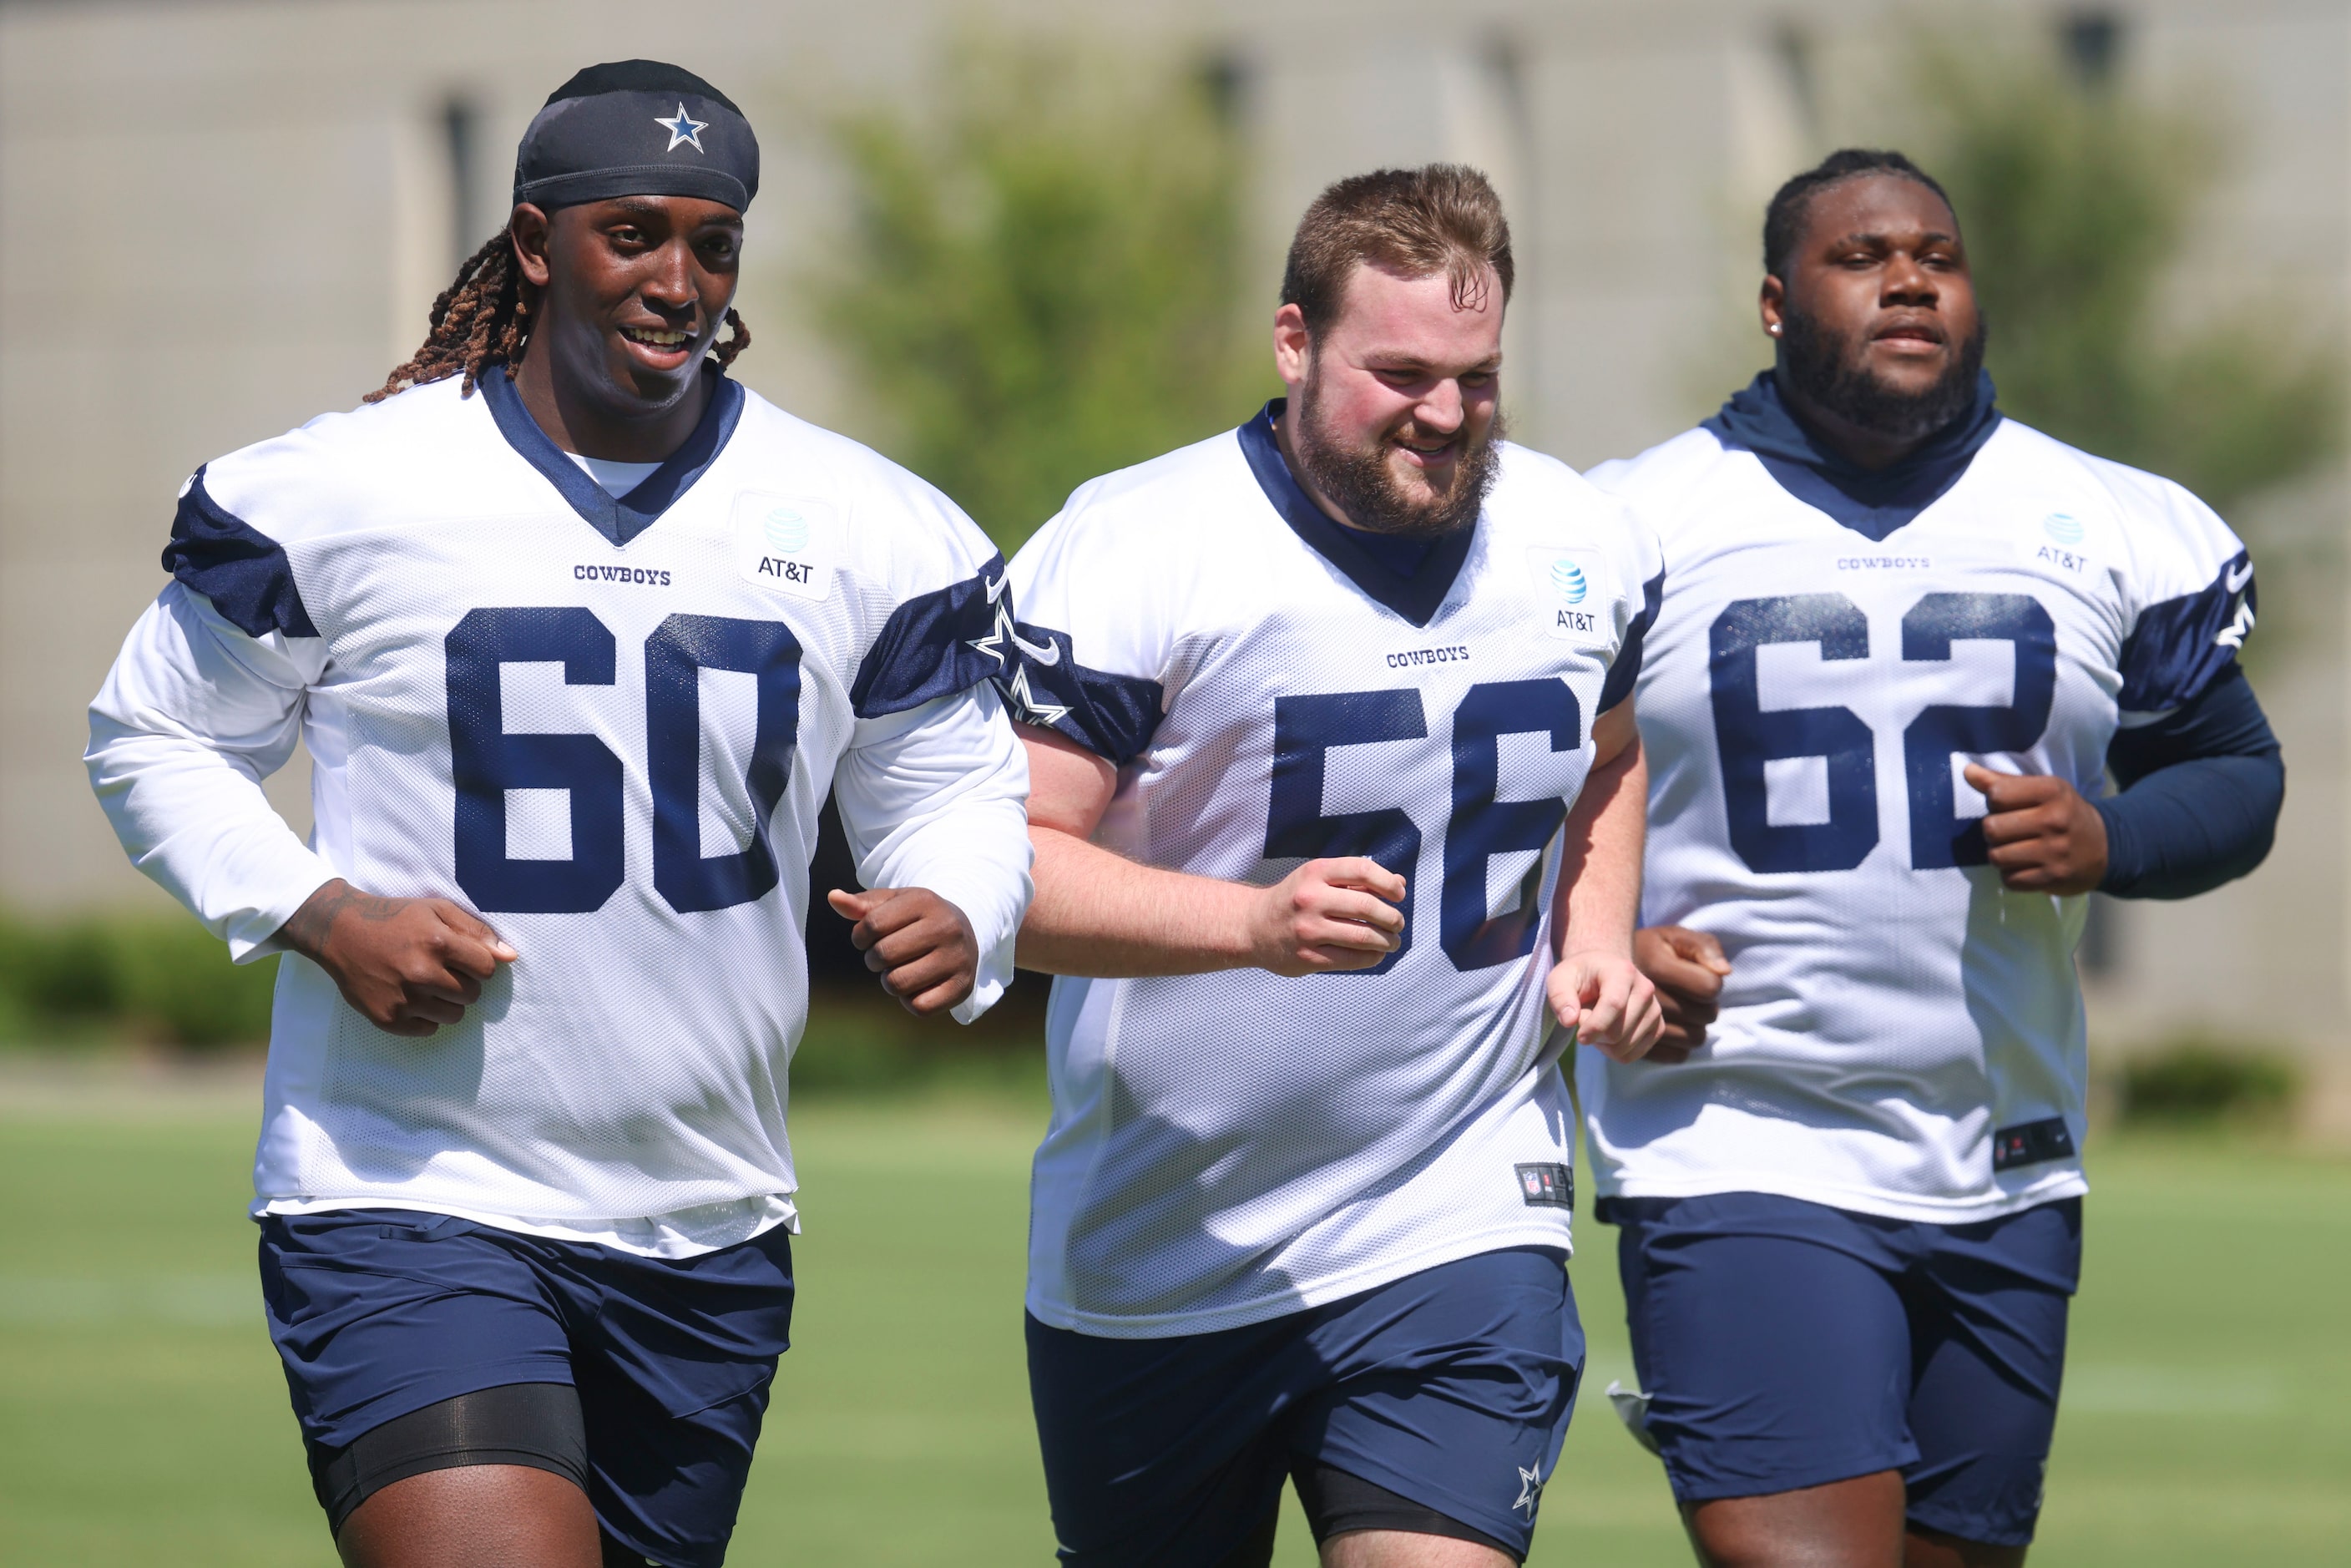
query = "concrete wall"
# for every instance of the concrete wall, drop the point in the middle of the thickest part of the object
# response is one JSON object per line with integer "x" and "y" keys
{"x": 225, "y": 218}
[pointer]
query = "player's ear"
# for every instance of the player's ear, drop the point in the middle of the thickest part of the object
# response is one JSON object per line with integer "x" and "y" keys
{"x": 531, "y": 229}
{"x": 1292, "y": 344}
{"x": 1772, "y": 304}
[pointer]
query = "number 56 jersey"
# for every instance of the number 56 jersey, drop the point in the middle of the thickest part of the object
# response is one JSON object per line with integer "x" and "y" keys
{"x": 1900, "y": 1034}
{"x": 607, "y": 725}
{"x": 1229, "y": 1147}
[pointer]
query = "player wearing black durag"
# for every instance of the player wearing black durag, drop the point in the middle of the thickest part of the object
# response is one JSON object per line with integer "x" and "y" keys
{"x": 1904, "y": 639}
{"x": 580, "y": 634}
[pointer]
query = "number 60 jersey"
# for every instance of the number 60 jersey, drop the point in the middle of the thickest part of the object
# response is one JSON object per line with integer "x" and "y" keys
{"x": 607, "y": 725}
{"x": 1901, "y": 1035}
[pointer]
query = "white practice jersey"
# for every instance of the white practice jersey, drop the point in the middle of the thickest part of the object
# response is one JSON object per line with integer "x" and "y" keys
{"x": 607, "y": 725}
{"x": 1229, "y": 1147}
{"x": 1901, "y": 1035}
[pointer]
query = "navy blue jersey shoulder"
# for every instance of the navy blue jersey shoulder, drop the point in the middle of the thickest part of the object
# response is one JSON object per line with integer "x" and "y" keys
{"x": 2180, "y": 645}
{"x": 1626, "y": 669}
{"x": 1415, "y": 595}
{"x": 242, "y": 570}
{"x": 619, "y": 518}
{"x": 1873, "y": 503}
{"x": 1114, "y": 717}
{"x": 937, "y": 645}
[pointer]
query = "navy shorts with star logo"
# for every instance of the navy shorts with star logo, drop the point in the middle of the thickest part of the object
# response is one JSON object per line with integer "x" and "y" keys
{"x": 1436, "y": 1403}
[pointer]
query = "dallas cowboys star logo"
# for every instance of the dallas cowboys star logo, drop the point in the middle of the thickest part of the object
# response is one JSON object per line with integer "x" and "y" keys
{"x": 2233, "y": 634}
{"x": 1032, "y": 710}
{"x": 1048, "y": 655}
{"x": 683, "y": 128}
{"x": 1529, "y": 1489}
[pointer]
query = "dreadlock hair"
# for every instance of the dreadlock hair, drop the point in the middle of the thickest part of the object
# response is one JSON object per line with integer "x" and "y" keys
{"x": 482, "y": 318}
{"x": 1783, "y": 220}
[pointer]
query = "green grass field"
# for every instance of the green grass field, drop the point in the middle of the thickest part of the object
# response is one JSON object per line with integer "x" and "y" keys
{"x": 143, "y": 1420}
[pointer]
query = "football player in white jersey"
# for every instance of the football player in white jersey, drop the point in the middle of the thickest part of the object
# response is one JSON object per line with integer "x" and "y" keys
{"x": 1904, "y": 639}
{"x": 578, "y": 634}
{"x": 1311, "y": 710}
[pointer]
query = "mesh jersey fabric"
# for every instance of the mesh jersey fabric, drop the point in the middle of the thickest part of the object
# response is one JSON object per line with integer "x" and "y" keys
{"x": 616, "y": 754}
{"x": 1228, "y": 1147}
{"x": 1808, "y": 698}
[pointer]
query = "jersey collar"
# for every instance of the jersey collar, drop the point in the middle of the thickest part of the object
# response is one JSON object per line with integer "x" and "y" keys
{"x": 619, "y": 518}
{"x": 1871, "y": 502}
{"x": 1416, "y": 598}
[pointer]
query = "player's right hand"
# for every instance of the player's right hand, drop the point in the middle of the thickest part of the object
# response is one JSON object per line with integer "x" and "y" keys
{"x": 406, "y": 965}
{"x": 1687, "y": 968}
{"x": 1328, "y": 916}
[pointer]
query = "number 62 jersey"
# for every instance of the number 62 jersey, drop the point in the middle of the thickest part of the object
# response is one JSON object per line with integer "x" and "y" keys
{"x": 605, "y": 723}
{"x": 1900, "y": 1035}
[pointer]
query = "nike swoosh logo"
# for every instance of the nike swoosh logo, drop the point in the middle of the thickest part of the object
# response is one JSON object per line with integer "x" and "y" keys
{"x": 2236, "y": 579}
{"x": 1049, "y": 655}
{"x": 995, "y": 588}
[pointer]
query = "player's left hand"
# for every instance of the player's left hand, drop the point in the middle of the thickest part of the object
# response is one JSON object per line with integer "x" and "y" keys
{"x": 1604, "y": 1001}
{"x": 919, "y": 944}
{"x": 2043, "y": 836}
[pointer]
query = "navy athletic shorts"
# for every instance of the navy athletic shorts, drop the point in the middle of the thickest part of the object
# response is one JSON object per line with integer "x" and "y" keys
{"x": 379, "y": 1312}
{"x": 1786, "y": 1345}
{"x": 1449, "y": 1389}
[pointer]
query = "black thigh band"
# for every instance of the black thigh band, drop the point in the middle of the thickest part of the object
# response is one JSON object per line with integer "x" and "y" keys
{"x": 533, "y": 1424}
{"x": 1336, "y": 1503}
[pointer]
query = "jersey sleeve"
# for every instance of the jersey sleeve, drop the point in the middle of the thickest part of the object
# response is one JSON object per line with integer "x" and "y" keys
{"x": 1648, "y": 559}
{"x": 1093, "y": 638}
{"x": 936, "y": 796}
{"x": 195, "y": 713}
{"x": 947, "y": 580}
{"x": 2192, "y": 596}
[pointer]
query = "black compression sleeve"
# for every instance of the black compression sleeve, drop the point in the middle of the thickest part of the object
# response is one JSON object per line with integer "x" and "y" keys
{"x": 2201, "y": 794}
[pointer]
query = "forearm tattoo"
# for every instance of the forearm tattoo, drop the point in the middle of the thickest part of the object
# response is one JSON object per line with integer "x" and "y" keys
{"x": 306, "y": 932}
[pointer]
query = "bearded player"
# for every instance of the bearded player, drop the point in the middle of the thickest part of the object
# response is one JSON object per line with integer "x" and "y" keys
{"x": 1337, "y": 800}
{"x": 579, "y": 634}
{"x": 1904, "y": 639}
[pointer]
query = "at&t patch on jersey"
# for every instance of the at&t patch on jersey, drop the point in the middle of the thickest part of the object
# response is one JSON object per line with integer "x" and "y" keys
{"x": 788, "y": 543}
{"x": 1579, "y": 598}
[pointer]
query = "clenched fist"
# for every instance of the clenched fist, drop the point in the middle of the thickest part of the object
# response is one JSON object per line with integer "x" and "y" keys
{"x": 1604, "y": 1000}
{"x": 1688, "y": 968}
{"x": 407, "y": 965}
{"x": 921, "y": 946}
{"x": 2043, "y": 835}
{"x": 1329, "y": 915}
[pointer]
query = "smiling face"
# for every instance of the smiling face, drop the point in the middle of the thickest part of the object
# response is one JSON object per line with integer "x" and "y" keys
{"x": 1876, "y": 315}
{"x": 633, "y": 292}
{"x": 1395, "y": 412}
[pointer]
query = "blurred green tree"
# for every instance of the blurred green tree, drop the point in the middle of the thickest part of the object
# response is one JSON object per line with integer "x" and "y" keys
{"x": 1039, "y": 277}
{"x": 2077, "y": 197}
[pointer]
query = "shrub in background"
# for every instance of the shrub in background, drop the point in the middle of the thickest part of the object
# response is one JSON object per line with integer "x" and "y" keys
{"x": 1039, "y": 277}
{"x": 154, "y": 980}
{"x": 99, "y": 981}
{"x": 2201, "y": 1083}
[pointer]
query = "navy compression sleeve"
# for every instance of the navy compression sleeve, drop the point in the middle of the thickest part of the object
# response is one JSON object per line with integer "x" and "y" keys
{"x": 2201, "y": 793}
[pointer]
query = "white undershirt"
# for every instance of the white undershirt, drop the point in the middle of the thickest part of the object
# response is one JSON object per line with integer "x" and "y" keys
{"x": 618, "y": 479}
